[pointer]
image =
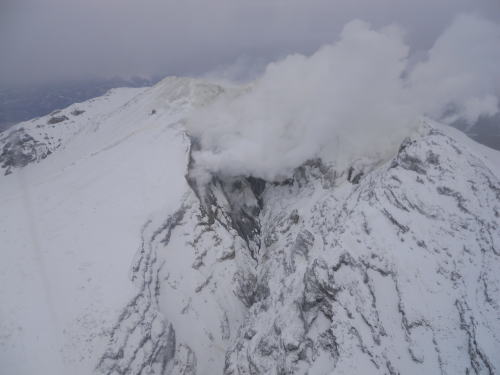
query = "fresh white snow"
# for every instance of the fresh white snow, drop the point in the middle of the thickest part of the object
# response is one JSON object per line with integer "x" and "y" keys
{"x": 70, "y": 226}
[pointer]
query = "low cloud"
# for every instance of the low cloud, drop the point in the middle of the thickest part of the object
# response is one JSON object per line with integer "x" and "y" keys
{"x": 461, "y": 76}
{"x": 355, "y": 98}
{"x": 52, "y": 41}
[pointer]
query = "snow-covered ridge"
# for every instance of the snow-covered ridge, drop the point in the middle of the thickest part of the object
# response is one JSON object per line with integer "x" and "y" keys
{"x": 120, "y": 260}
{"x": 34, "y": 140}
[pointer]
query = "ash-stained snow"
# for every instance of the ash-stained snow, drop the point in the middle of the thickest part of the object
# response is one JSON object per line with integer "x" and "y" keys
{"x": 118, "y": 258}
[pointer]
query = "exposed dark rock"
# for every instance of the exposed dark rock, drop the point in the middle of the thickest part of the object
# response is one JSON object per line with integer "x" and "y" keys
{"x": 56, "y": 119}
{"x": 77, "y": 112}
{"x": 20, "y": 149}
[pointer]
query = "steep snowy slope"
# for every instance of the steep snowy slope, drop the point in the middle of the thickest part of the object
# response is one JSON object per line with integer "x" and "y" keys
{"x": 70, "y": 223}
{"x": 118, "y": 258}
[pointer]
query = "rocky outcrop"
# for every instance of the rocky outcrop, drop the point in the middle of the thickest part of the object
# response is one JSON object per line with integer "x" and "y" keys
{"x": 19, "y": 149}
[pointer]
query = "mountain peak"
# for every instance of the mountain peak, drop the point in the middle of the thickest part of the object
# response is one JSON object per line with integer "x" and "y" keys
{"x": 384, "y": 265}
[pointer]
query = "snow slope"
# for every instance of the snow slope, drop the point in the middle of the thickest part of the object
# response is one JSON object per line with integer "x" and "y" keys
{"x": 70, "y": 224}
{"x": 117, "y": 259}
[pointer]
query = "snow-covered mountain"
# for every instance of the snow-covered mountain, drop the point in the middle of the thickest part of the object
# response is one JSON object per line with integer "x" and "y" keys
{"x": 118, "y": 258}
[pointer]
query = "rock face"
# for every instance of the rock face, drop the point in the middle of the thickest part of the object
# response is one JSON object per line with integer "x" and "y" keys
{"x": 19, "y": 149}
{"x": 391, "y": 269}
{"x": 392, "y": 276}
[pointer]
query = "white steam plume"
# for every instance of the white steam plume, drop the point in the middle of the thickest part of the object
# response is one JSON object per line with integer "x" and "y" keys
{"x": 352, "y": 99}
{"x": 461, "y": 77}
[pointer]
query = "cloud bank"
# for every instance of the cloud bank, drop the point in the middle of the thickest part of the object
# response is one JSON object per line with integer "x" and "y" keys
{"x": 355, "y": 98}
{"x": 52, "y": 41}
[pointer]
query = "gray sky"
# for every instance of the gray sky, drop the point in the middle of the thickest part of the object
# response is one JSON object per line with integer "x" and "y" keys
{"x": 46, "y": 41}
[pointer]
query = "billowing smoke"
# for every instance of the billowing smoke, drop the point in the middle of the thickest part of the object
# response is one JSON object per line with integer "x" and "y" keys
{"x": 461, "y": 77}
{"x": 357, "y": 98}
